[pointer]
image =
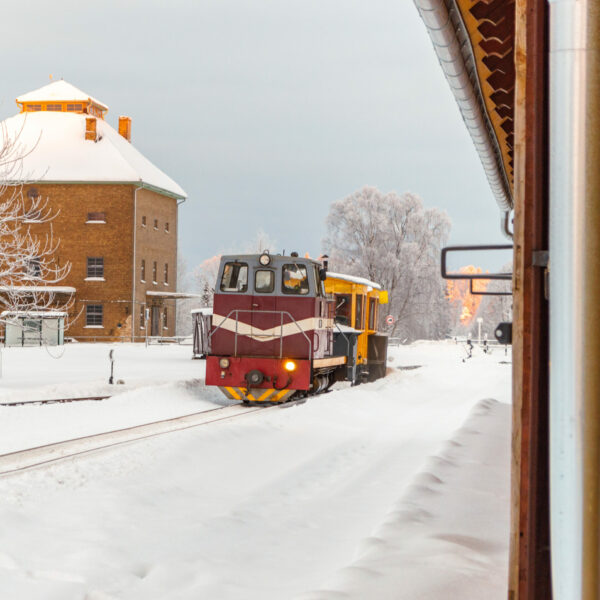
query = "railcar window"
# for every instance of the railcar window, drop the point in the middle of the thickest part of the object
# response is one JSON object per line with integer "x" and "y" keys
{"x": 264, "y": 281}
{"x": 343, "y": 309}
{"x": 359, "y": 316}
{"x": 295, "y": 279}
{"x": 372, "y": 313}
{"x": 235, "y": 277}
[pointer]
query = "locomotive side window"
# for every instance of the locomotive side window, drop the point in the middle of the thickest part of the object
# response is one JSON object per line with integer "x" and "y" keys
{"x": 235, "y": 277}
{"x": 264, "y": 281}
{"x": 372, "y": 313}
{"x": 295, "y": 279}
{"x": 359, "y": 317}
{"x": 343, "y": 309}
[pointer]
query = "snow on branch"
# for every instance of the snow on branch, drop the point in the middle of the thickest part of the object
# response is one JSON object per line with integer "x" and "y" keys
{"x": 29, "y": 265}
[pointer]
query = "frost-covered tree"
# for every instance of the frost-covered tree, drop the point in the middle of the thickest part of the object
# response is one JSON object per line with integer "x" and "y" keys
{"x": 205, "y": 275}
{"x": 396, "y": 241}
{"x": 28, "y": 263}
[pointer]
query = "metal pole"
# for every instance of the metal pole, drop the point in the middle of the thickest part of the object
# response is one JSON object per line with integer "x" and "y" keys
{"x": 568, "y": 102}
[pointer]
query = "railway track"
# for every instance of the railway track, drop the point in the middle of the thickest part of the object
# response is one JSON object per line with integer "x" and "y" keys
{"x": 49, "y": 453}
{"x": 55, "y": 401}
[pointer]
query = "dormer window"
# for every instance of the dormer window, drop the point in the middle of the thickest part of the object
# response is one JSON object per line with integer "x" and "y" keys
{"x": 55, "y": 107}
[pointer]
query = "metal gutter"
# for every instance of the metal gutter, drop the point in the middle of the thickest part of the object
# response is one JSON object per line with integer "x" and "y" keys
{"x": 452, "y": 46}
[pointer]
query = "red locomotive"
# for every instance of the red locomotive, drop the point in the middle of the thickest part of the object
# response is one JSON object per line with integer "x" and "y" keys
{"x": 274, "y": 334}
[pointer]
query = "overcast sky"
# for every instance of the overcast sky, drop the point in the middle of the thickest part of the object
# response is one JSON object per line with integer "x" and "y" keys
{"x": 264, "y": 111}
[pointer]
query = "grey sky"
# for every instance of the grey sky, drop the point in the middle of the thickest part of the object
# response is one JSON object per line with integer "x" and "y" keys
{"x": 264, "y": 111}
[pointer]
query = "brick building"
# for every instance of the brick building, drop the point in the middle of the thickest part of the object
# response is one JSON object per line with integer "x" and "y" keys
{"x": 115, "y": 214}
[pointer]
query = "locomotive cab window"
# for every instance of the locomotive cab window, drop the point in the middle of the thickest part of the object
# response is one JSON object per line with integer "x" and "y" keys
{"x": 343, "y": 309}
{"x": 295, "y": 279}
{"x": 264, "y": 281}
{"x": 235, "y": 277}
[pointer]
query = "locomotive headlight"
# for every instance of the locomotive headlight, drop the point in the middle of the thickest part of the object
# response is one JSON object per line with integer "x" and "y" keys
{"x": 289, "y": 365}
{"x": 223, "y": 363}
{"x": 264, "y": 259}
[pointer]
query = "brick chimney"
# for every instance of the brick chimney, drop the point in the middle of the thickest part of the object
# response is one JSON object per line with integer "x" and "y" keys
{"x": 125, "y": 127}
{"x": 90, "y": 129}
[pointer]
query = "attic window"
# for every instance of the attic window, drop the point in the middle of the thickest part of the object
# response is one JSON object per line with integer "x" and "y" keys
{"x": 74, "y": 107}
{"x": 33, "y": 107}
{"x": 57, "y": 107}
{"x": 96, "y": 217}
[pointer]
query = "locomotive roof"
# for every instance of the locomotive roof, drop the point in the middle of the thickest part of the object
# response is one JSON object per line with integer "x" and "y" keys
{"x": 353, "y": 279}
{"x": 276, "y": 257}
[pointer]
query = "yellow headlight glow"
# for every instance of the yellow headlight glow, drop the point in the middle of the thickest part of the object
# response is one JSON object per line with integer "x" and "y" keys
{"x": 289, "y": 365}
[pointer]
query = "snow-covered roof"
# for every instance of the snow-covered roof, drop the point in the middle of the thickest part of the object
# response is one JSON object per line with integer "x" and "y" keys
{"x": 58, "y": 91}
{"x": 50, "y": 289}
{"x": 56, "y": 150}
{"x": 353, "y": 279}
{"x": 33, "y": 313}
{"x": 202, "y": 311}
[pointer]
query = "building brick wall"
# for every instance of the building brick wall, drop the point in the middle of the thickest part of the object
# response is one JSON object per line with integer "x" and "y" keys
{"x": 114, "y": 242}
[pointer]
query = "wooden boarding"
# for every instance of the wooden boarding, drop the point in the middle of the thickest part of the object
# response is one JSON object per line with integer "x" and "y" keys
{"x": 332, "y": 361}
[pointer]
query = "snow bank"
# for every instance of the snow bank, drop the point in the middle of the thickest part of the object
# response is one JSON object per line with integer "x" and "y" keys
{"x": 447, "y": 537}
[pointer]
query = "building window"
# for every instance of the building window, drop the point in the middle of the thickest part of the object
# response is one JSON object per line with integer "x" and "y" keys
{"x": 56, "y": 107}
{"x": 155, "y": 223}
{"x": 34, "y": 267}
{"x": 74, "y": 107}
{"x": 166, "y": 274}
{"x": 142, "y": 317}
{"x": 95, "y": 267}
{"x": 165, "y": 322}
{"x": 33, "y": 107}
{"x": 154, "y": 271}
{"x": 93, "y": 315}
{"x": 143, "y": 275}
{"x": 167, "y": 226}
{"x": 96, "y": 217}
{"x": 143, "y": 221}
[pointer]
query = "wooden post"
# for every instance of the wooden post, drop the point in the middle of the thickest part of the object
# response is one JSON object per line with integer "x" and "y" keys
{"x": 529, "y": 577}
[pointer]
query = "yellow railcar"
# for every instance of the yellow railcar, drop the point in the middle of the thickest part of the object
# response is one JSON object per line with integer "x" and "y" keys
{"x": 356, "y": 335}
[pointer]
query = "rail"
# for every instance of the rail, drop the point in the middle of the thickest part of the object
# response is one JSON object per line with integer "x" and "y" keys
{"x": 35, "y": 457}
{"x": 272, "y": 312}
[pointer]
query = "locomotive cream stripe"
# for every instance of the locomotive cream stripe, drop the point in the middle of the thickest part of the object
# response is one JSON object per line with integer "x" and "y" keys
{"x": 273, "y": 333}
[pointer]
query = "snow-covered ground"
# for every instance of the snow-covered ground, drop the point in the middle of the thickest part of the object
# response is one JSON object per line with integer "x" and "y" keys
{"x": 395, "y": 489}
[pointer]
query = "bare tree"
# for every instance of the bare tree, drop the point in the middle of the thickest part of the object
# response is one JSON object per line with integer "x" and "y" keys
{"x": 395, "y": 241}
{"x": 29, "y": 270}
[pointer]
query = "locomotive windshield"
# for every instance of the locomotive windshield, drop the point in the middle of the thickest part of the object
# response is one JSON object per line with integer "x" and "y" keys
{"x": 295, "y": 279}
{"x": 235, "y": 277}
{"x": 264, "y": 281}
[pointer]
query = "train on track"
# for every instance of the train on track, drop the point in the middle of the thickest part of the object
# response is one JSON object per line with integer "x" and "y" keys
{"x": 284, "y": 327}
